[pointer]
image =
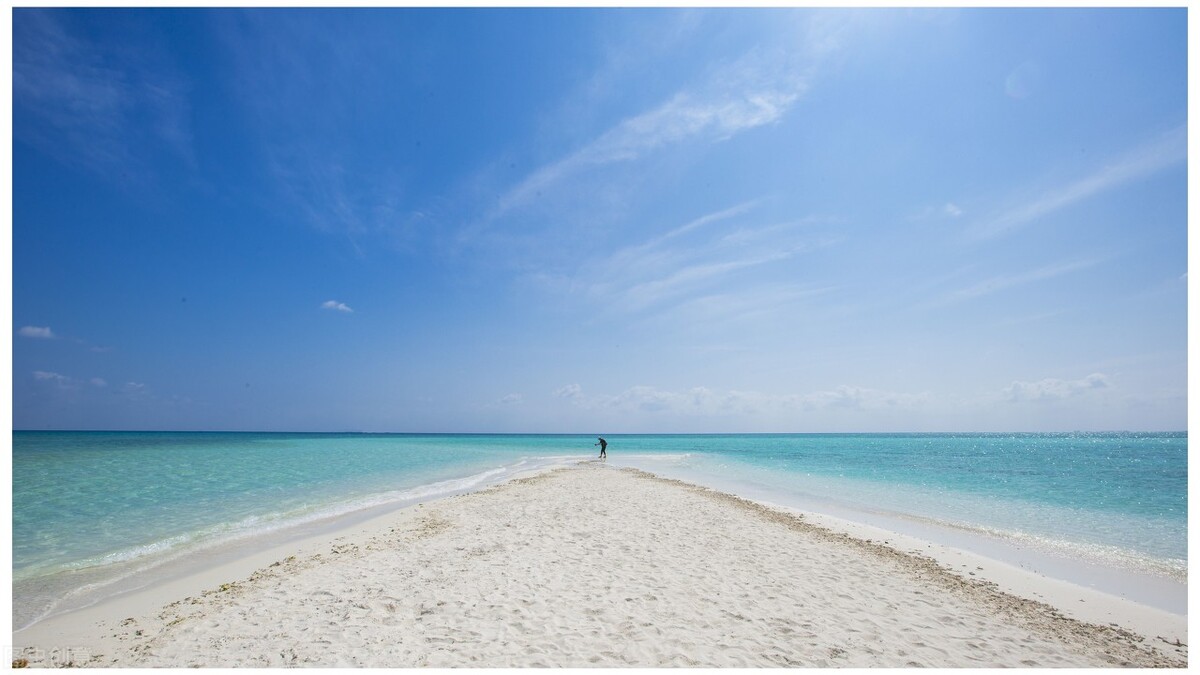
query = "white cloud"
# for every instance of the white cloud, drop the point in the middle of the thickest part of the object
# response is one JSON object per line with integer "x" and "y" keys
{"x": 54, "y": 377}
{"x": 754, "y": 90}
{"x": 951, "y": 209}
{"x": 512, "y": 399}
{"x": 702, "y": 401}
{"x": 570, "y": 391}
{"x": 40, "y": 332}
{"x": 131, "y": 390}
{"x": 863, "y": 398}
{"x": 1053, "y": 389}
{"x": 1167, "y": 150}
{"x": 65, "y": 381}
{"x": 685, "y": 117}
{"x": 336, "y": 306}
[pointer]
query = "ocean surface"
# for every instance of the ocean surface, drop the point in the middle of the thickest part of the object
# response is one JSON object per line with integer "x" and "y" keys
{"x": 99, "y": 513}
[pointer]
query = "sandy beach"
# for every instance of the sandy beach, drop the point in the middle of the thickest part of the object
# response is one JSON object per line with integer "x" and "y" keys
{"x": 593, "y": 566}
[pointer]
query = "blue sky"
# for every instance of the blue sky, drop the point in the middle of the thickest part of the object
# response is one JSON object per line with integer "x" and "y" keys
{"x": 600, "y": 220}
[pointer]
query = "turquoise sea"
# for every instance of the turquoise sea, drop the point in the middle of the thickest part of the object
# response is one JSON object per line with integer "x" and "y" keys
{"x": 97, "y": 513}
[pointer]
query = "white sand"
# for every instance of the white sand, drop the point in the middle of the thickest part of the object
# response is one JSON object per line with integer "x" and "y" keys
{"x": 593, "y": 566}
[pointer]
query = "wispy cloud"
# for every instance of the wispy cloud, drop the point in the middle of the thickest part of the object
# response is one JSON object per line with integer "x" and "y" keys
{"x": 687, "y": 116}
{"x": 859, "y": 398}
{"x": 1004, "y": 282}
{"x": 512, "y": 399}
{"x": 1165, "y": 151}
{"x": 648, "y": 251}
{"x": 570, "y": 391}
{"x": 735, "y": 307}
{"x": 336, "y": 306}
{"x": 298, "y": 73}
{"x": 111, "y": 109}
{"x": 688, "y": 278}
{"x": 626, "y": 50}
{"x": 754, "y": 90}
{"x": 339, "y": 197}
{"x": 702, "y": 258}
{"x": 1054, "y": 389}
{"x": 37, "y": 332}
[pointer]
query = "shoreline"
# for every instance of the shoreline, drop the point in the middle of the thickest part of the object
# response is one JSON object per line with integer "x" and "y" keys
{"x": 1155, "y": 585}
{"x": 1136, "y": 586}
{"x": 188, "y": 561}
{"x": 1158, "y": 584}
{"x": 95, "y": 635}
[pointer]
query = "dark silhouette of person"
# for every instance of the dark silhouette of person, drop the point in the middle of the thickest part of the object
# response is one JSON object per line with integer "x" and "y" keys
{"x": 603, "y": 446}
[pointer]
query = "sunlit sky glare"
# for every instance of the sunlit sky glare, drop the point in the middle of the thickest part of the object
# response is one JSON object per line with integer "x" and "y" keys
{"x": 600, "y": 220}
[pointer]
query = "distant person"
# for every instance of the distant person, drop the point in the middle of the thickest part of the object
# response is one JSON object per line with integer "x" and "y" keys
{"x": 603, "y": 445}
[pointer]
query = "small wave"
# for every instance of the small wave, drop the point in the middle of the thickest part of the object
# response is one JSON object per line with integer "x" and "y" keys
{"x": 1104, "y": 554}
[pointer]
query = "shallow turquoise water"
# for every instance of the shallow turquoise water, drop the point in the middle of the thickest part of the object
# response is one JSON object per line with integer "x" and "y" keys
{"x": 85, "y": 499}
{"x": 1118, "y": 499}
{"x": 89, "y": 503}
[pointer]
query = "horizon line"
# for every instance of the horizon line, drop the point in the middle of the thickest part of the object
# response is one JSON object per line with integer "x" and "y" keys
{"x": 578, "y": 433}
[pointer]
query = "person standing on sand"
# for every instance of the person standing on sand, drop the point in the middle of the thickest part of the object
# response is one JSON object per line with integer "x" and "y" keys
{"x": 603, "y": 444}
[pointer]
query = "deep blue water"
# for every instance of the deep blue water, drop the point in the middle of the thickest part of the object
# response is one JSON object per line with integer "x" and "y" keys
{"x": 92, "y": 505}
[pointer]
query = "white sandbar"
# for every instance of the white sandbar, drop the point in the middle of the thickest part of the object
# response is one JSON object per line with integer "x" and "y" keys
{"x": 596, "y": 566}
